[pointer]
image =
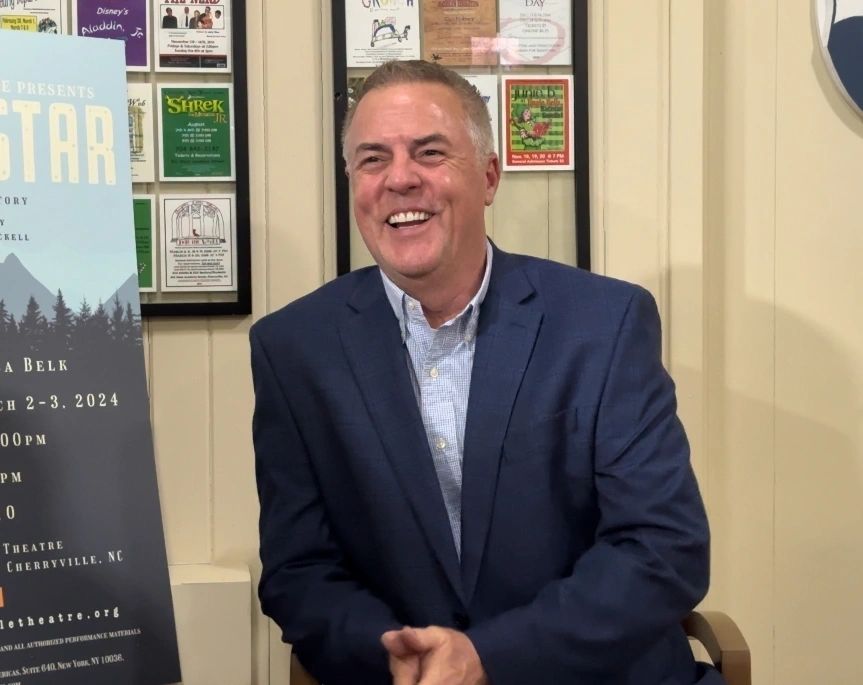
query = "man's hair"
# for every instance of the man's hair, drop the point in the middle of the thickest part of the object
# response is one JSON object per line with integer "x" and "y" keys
{"x": 419, "y": 71}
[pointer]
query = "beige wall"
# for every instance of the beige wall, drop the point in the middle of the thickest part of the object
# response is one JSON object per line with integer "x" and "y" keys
{"x": 724, "y": 179}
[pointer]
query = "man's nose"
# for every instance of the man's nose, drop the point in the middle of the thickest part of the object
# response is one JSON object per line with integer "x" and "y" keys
{"x": 402, "y": 174}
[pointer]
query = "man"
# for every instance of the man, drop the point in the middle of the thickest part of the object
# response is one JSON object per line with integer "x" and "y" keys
{"x": 169, "y": 21}
{"x": 469, "y": 463}
{"x": 186, "y": 17}
{"x": 217, "y": 22}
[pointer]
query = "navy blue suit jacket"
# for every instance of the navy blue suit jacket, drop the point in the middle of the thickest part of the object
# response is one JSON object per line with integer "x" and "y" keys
{"x": 584, "y": 541}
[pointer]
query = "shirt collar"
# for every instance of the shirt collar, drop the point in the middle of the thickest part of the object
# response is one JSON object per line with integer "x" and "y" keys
{"x": 399, "y": 299}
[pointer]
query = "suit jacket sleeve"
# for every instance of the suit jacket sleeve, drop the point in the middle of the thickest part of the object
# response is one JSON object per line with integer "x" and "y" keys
{"x": 334, "y": 623}
{"x": 649, "y": 564}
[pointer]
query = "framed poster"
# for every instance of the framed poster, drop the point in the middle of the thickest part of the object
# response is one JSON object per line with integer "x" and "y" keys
{"x": 539, "y": 115}
{"x": 141, "y": 129}
{"x": 378, "y": 32}
{"x": 486, "y": 84}
{"x": 42, "y": 16}
{"x": 193, "y": 36}
{"x": 144, "y": 219}
{"x": 487, "y": 42}
{"x": 196, "y": 132}
{"x": 126, "y": 20}
{"x": 459, "y": 33}
{"x": 198, "y": 239}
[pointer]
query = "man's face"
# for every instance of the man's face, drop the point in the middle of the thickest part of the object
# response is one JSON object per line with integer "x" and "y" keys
{"x": 419, "y": 187}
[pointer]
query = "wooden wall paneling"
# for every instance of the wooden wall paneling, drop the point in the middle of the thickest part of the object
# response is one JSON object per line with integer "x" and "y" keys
{"x": 561, "y": 217}
{"x": 634, "y": 139}
{"x": 685, "y": 320}
{"x": 295, "y": 130}
{"x": 819, "y": 366}
{"x": 739, "y": 263}
{"x": 180, "y": 396}
{"x": 521, "y": 213}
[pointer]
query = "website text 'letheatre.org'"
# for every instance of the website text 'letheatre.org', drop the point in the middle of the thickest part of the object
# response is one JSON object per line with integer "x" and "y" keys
{"x": 59, "y": 618}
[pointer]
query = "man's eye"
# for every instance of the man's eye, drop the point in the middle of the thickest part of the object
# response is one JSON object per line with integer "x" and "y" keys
{"x": 369, "y": 160}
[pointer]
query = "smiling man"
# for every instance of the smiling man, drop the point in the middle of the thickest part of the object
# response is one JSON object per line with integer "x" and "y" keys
{"x": 469, "y": 462}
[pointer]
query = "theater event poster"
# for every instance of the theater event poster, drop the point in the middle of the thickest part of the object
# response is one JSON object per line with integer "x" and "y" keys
{"x": 538, "y": 121}
{"x": 198, "y": 242}
{"x": 126, "y": 20}
{"x": 488, "y": 89}
{"x": 196, "y": 130}
{"x": 460, "y": 32}
{"x": 144, "y": 215}
{"x": 141, "y": 127}
{"x": 39, "y": 16}
{"x": 84, "y": 591}
{"x": 193, "y": 35}
{"x": 377, "y": 31}
{"x": 536, "y": 32}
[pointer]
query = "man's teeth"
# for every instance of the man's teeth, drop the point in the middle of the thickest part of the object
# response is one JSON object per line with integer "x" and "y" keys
{"x": 405, "y": 217}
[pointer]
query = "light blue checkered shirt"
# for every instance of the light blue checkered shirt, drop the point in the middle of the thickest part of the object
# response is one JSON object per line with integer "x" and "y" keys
{"x": 441, "y": 362}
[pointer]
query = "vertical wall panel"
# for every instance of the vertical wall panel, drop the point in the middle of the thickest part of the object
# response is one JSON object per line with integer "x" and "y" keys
{"x": 636, "y": 130}
{"x": 819, "y": 367}
{"x": 740, "y": 302}
{"x": 180, "y": 395}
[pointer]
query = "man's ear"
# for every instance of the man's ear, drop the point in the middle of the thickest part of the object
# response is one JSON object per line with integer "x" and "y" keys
{"x": 492, "y": 178}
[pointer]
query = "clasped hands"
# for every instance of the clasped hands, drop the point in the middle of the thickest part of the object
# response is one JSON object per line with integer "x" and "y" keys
{"x": 432, "y": 656}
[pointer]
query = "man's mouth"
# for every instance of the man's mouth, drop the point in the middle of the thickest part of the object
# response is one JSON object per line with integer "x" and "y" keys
{"x": 408, "y": 219}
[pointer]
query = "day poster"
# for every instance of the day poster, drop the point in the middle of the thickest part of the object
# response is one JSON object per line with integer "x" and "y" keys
{"x": 460, "y": 32}
{"x": 141, "y": 127}
{"x": 539, "y": 115}
{"x": 196, "y": 131}
{"x": 84, "y": 591}
{"x": 193, "y": 35}
{"x": 536, "y": 33}
{"x": 377, "y": 31}
{"x": 144, "y": 217}
{"x": 198, "y": 243}
{"x": 487, "y": 86}
{"x": 126, "y": 20}
{"x": 41, "y": 16}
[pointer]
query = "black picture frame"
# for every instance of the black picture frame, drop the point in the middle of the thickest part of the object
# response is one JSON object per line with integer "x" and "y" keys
{"x": 580, "y": 67}
{"x": 242, "y": 305}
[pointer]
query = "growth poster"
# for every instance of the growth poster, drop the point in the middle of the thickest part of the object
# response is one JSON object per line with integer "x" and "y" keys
{"x": 84, "y": 591}
{"x": 539, "y": 122}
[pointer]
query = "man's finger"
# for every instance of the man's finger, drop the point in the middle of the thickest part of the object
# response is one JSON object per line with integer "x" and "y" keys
{"x": 394, "y": 643}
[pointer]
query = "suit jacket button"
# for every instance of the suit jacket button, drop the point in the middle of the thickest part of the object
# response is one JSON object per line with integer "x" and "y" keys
{"x": 461, "y": 621}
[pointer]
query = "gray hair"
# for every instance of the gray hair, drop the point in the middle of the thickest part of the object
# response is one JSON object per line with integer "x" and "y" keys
{"x": 419, "y": 71}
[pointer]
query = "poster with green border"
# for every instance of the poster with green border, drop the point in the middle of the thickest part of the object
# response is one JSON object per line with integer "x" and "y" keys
{"x": 144, "y": 216}
{"x": 196, "y": 132}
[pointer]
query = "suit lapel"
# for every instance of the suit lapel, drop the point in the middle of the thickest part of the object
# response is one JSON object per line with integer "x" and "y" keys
{"x": 508, "y": 326}
{"x": 372, "y": 342}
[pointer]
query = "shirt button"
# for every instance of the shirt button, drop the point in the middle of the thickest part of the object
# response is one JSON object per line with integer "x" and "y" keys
{"x": 441, "y": 444}
{"x": 433, "y": 373}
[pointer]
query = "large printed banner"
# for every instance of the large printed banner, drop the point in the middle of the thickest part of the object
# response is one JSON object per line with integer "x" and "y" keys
{"x": 84, "y": 593}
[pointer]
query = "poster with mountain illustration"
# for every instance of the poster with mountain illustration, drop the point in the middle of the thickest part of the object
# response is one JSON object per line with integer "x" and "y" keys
{"x": 84, "y": 591}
